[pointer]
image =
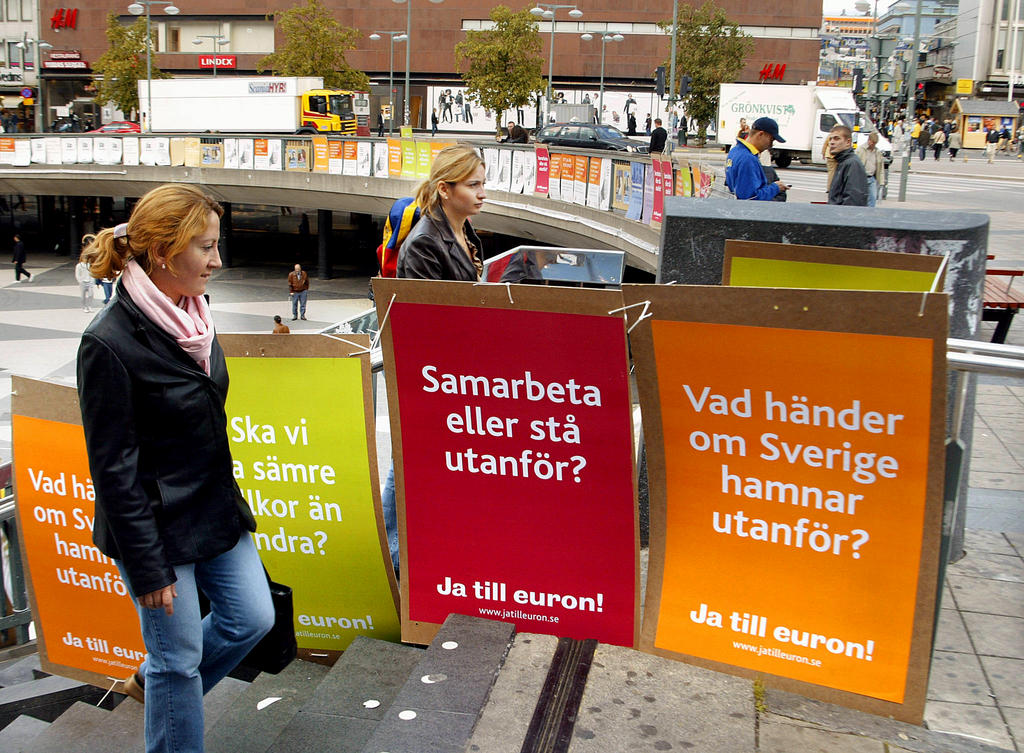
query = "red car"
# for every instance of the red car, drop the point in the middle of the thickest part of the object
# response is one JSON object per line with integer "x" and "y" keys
{"x": 118, "y": 126}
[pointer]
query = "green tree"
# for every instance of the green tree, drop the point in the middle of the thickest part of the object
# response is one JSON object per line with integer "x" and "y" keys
{"x": 710, "y": 49}
{"x": 117, "y": 73}
{"x": 315, "y": 45}
{"x": 502, "y": 67}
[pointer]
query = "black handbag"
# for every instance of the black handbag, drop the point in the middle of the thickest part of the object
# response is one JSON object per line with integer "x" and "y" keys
{"x": 278, "y": 647}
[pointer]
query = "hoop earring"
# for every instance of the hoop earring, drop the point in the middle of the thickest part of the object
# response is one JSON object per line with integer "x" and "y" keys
{"x": 163, "y": 266}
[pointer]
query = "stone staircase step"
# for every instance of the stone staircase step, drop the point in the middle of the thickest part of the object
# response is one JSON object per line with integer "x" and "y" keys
{"x": 351, "y": 700}
{"x": 66, "y": 732}
{"x": 505, "y": 719}
{"x": 244, "y": 728}
{"x": 19, "y": 733}
{"x": 438, "y": 705}
{"x": 19, "y": 670}
{"x": 45, "y": 698}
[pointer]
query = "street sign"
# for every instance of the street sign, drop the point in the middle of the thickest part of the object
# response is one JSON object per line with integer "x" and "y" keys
{"x": 964, "y": 86}
{"x": 26, "y": 92}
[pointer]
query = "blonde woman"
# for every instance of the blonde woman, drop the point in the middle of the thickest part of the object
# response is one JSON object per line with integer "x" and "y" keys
{"x": 152, "y": 383}
{"x": 443, "y": 245}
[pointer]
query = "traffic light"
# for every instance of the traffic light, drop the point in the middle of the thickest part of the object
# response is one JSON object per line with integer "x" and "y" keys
{"x": 659, "y": 81}
{"x": 684, "y": 85}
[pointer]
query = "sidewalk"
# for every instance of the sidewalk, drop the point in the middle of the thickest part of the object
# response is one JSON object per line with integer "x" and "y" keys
{"x": 976, "y": 693}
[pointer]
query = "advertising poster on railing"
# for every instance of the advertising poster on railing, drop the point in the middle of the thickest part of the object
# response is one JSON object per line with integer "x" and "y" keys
{"x": 648, "y": 208}
{"x": 423, "y": 160}
{"x": 504, "y": 170}
{"x": 666, "y": 177}
{"x": 86, "y": 624}
{"x": 512, "y": 438}
{"x": 23, "y": 153}
{"x": 543, "y": 170}
{"x": 795, "y": 445}
{"x": 408, "y": 159}
{"x": 684, "y": 181}
{"x": 658, "y": 201}
{"x": 594, "y": 183}
{"x": 364, "y": 159}
{"x": 555, "y": 176}
{"x": 335, "y": 156}
{"x": 246, "y": 154}
{"x": 304, "y": 458}
{"x": 568, "y": 178}
{"x": 261, "y": 154}
{"x": 6, "y": 151}
{"x": 395, "y": 156}
{"x": 519, "y": 170}
{"x": 321, "y": 155}
{"x": 636, "y": 191}
{"x": 68, "y": 151}
{"x": 580, "y": 183}
{"x": 350, "y": 156}
{"x": 85, "y": 151}
{"x": 130, "y": 149}
{"x": 621, "y": 173}
{"x": 380, "y": 159}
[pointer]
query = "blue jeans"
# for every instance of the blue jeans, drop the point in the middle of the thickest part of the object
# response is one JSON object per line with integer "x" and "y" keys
{"x": 872, "y": 190}
{"x": 299, "y": 298}
{"x": 189, "y": 654}
{"x": 390, "y": 508}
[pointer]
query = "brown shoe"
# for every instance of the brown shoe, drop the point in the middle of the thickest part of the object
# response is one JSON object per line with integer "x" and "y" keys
{"x": 135, "y": 687}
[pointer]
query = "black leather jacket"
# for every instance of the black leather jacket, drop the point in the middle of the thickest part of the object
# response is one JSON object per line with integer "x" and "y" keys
{"x": 850, "y": 182}
{"x": 156, "y": 435}
{"x": 430, "y": 251}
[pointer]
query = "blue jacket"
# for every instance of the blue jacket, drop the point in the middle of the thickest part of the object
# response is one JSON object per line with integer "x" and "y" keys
{"x": 744, "y": 176}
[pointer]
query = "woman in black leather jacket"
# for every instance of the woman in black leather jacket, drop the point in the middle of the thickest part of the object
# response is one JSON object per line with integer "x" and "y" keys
{"x": 152, "y": 383}
{"x": 442, "y": 245}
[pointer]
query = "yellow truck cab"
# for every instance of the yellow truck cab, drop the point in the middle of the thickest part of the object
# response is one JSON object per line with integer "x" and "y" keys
{"x": 334, "y": 111}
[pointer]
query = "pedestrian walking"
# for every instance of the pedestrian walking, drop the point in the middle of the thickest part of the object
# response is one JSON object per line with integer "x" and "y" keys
{"x": 991, "y": 143}
{"x": 433, "y": 122}
{"x": 924, "y": 138}
{"x": 298, "y": 291}
{"x": 152, "y": 384}
{"x": 956, "y": 142}
{"x": 874, "y": 167}
{"x": 85, "y": 284}
{"x": 19, "y": 258}
{"x": 647, "y": 125}
{"x": 938, "y": 141}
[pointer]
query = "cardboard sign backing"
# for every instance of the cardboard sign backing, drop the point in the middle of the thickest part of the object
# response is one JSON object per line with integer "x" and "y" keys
{"x": 512, "y": 440}
{"x": 795, "y": 442}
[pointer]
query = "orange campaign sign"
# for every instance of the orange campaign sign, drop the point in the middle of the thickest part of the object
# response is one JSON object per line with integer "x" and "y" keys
{"x": 321, "y": 155}
{"x": 82, "y": 610}
{"x": 394, "y": 158}
{"x": 262, "y": 148}
{"x": 796, "y": 526}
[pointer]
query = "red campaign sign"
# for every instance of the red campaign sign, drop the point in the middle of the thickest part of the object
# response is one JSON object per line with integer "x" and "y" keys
{"x": 517, "y": 456}
{"x": 659, "y": 191}
{"x": 543, "y": 170}
{"x": 217, "y": 61}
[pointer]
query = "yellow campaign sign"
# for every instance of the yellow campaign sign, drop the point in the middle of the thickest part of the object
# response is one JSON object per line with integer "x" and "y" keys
{"x": 423, "y": 159}
{"x": 302, "y": 459}
{"x": 965, "y": 86}
{"x": 783, "y": 273}
{"x": 409, "y": 169}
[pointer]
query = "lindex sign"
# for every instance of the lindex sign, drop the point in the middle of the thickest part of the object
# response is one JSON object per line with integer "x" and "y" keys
{"x": 217, "y": 61}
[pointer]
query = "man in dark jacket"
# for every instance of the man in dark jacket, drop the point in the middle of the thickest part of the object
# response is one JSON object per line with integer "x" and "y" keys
{"x": 516, "y": 134}
{"x": 19, "y": 260}
{"x": 850, "y": 183}
{"x": 658, "y": 137}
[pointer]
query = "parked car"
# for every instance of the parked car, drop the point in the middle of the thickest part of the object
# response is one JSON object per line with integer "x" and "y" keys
{"x": 118, "y": 126}
{"x": 588, "y": 136}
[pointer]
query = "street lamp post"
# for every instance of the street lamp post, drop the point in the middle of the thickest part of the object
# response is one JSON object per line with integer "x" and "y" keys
{"x": 605, "y": 39}
{"x": 408, "y": 47}
{"x": 548, "y": 10}
{"x": 217, "y": 39}
{"x": 38, "y": 46}
{"x": 395, "y": 36}
{"x": 137, "y": 9}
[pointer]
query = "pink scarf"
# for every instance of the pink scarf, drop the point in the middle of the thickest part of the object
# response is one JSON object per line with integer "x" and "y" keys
{"x": 189, "y": 322}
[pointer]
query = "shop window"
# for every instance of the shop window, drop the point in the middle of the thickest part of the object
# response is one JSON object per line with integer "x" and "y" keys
{"x": 174, "y": 39}
{"x": 14, "y": 54}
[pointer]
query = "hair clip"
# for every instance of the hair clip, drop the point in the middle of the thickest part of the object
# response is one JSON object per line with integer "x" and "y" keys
{"x": 121, "y": 231}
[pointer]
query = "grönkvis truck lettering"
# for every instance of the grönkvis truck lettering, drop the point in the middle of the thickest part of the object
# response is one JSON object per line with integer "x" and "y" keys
{"x": 805, "y": 115}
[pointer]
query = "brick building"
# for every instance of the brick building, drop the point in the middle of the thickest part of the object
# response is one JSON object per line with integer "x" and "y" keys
{"x": 784, "y": 32}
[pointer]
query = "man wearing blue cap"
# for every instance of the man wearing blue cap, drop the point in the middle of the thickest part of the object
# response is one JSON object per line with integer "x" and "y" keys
{"x": 743, "y": 173}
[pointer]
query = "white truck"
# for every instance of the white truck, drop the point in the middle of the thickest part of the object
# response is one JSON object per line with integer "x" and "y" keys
{"x": 805, "y": 115}
{"x": 258, "y": 104}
